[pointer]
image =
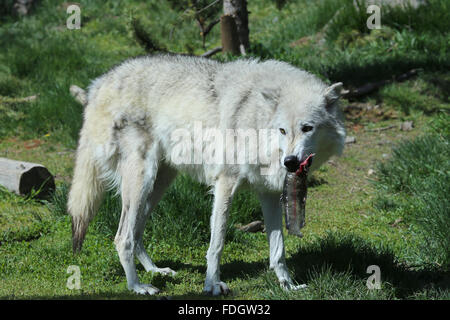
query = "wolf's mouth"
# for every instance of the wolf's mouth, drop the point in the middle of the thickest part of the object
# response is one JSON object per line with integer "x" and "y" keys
{"x": 292, "y": 163}
{"x": 305, "y": 164}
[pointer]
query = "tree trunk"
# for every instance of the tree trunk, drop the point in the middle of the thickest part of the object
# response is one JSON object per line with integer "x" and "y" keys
{"x": 22, "y": 177}
{"x": 238, "y": 10}
{"x": 229, "y": 36}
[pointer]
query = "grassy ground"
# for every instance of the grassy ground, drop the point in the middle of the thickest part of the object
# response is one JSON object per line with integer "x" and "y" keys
{"x": 356, "y": 217}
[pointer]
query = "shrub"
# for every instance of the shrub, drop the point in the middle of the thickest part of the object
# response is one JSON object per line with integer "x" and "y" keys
{"x": 419, "y": 171}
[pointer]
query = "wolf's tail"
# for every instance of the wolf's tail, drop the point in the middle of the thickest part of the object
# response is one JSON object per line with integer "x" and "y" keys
{"x": 85, "y": 194}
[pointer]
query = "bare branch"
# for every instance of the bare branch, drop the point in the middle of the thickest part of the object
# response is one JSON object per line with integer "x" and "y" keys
{"x": 208, "y": 6}
{"x": 210, "y": 26}
{"x": 382, "y": 129}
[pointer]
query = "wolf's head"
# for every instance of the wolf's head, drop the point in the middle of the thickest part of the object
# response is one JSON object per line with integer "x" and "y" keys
{"x": 309, "y": 121}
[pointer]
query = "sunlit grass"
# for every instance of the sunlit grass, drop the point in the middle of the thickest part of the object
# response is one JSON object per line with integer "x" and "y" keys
{"x": 350, "y": 223}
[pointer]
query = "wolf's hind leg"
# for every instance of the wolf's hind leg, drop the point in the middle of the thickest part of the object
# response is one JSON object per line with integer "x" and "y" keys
{"x": 163, "y": 180}
{"x": 138, "y": 177}
{"x": 270, "y": 204}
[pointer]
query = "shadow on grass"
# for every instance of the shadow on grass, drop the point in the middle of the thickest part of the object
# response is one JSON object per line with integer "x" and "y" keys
{"x": 349, "y": 254}
{"x": 315, "y": 182}
{"x": 339, "y": 253}
{"x": 344, "y": 254}
{"x": 443, "y": 84}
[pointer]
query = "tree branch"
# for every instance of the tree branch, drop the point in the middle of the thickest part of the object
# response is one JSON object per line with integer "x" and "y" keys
{"x": 210, "y": 26}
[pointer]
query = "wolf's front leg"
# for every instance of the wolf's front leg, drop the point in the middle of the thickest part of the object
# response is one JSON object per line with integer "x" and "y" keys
{"x": 270, "y": 203}
{"x": 223, "y": 193}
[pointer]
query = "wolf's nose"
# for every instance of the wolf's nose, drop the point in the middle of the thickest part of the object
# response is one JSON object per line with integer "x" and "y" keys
{"x": 292, "y": 163}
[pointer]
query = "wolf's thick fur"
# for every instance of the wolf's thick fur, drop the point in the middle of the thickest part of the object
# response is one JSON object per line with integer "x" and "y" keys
{"x": 126, "y": 142}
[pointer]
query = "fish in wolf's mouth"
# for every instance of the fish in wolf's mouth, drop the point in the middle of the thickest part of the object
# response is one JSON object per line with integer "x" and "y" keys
{"x": 293, "y": 198}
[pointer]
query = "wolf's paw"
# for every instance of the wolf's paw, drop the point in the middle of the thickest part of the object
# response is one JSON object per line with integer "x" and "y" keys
{"x": 144, "y": 289}
{"x": 294, "y": 287}
{"x": 216, "y": 288}
{"x": 289, "y": 286}
{"x": 165, "y": 271}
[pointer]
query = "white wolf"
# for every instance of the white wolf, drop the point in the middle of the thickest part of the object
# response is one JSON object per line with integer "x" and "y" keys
{"x": 126, "y": 140}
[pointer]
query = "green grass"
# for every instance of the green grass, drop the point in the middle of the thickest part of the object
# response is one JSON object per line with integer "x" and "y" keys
{"x": 22, "y": 219}
{"x": 409, "y": 97}
{"x": 396, "y": 219}
{"x": 351, "y": 53}
{"x": 415, "y": 183}
{"x": 345, "y": 234}
{"x": 55, "y": 57}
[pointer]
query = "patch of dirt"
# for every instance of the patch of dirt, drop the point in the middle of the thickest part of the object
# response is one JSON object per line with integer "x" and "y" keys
{"x": 357, "y": 111}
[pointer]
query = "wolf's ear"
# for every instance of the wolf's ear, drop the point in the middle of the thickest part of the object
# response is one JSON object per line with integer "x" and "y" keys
{"x": 333, "y": 93}
{"x": 271, "y": 94}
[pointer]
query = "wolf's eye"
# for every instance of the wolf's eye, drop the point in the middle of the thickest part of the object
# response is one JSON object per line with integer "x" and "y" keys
{"x": 283, "y": 132}
{"x": 307, "y": 128}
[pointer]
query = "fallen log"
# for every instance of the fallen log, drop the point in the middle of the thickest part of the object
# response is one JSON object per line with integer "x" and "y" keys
{"x": 373, "y": 86}
{"x": 254, "y": 226}
{"x": 25, "y": 178}
{"x": 211, "y": 52}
